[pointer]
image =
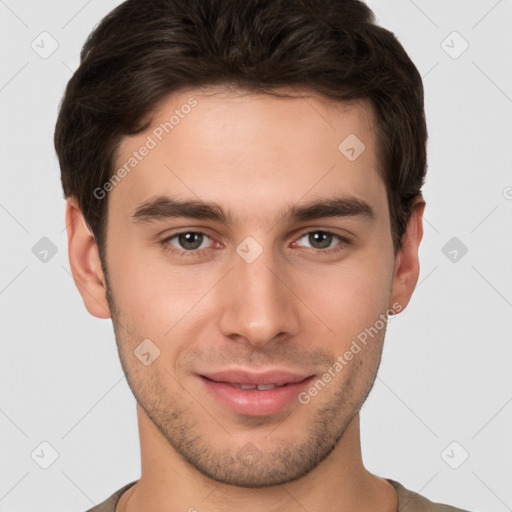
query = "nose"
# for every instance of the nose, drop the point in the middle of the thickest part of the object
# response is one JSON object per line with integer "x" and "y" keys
{"x": 258, "y": 305}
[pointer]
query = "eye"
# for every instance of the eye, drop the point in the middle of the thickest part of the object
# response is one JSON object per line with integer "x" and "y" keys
{"x": 324, "y": 239}
{"x": 187, "y": 241}
{"x": 190, "y": 243}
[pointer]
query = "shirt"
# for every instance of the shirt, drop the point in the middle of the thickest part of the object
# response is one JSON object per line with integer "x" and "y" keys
{"x": 408, "y": 501}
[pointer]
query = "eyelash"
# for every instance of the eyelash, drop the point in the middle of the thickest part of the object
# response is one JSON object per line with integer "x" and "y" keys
{"x": 344, "y": 242}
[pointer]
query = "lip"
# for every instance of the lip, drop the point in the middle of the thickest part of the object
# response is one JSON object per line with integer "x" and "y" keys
{"x": 279, "y": 377}
{"x": 254, "y": 402}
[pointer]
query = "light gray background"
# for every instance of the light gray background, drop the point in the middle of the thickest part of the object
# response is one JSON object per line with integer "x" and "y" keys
{"x": 446, "y": 369}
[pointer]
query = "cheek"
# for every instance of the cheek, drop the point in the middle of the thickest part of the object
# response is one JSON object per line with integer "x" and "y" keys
{"x": 153, "y": 296}
{"x": 349, "y": 297}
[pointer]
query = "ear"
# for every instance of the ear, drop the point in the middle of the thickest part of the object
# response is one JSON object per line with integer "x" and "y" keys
{"x": 407, "y": 265}
{"x": 85, "y": 262}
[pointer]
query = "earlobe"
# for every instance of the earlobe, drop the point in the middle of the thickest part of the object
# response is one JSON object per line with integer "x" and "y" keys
{"x": 85, "y": 262}
{"x": 407, "y": 266}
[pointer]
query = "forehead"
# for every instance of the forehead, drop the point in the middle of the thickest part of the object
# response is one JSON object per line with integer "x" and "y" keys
{"x": 250, "y": 151}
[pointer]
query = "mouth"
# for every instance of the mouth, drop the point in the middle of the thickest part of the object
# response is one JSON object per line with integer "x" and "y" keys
{"x": 258, "y": 387}
{"x": 254, "y": 394}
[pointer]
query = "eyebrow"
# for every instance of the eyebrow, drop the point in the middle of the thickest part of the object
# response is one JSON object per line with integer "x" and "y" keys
{"x": 165, "y": 207}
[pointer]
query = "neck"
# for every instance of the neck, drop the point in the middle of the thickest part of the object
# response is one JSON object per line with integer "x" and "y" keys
{"x": 168, "y": 482}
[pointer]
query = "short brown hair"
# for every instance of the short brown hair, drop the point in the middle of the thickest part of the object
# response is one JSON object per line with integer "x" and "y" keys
{"x": 143, "y": 51}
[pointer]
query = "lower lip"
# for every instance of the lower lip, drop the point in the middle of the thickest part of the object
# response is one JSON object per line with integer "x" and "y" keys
{"x": 253, "y": 402}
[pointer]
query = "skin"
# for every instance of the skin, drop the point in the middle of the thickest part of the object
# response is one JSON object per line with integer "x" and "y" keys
{"x": 297, "y": 306}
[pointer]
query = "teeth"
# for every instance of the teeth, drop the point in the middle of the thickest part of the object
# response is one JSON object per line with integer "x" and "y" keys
{"x": 264, "y": 387}
{"x": 259, "y": 387}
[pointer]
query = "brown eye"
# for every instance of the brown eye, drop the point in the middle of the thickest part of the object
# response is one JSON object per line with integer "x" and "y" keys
{"x": 320, "y": 239}
{"x": 188, "y": 241}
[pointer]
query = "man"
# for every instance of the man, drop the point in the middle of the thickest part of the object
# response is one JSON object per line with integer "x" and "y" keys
{"x": 243, "y": 184}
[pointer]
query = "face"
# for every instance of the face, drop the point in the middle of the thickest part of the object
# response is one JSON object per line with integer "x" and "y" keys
{"x": 246, "y": 248}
